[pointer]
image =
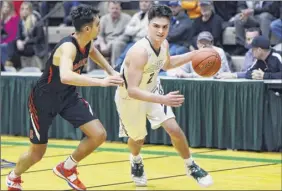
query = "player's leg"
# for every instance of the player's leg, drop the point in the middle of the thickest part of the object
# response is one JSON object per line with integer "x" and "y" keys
{"x": 179, "y": 142}
{"x": 161, "y": 115}
{"x": 132, "y": 117}
{"x": 80, "y": 114}
{"x": 178, "y": 139}
{"x": 95, "y": 135}
{"x": 40, "y": 122}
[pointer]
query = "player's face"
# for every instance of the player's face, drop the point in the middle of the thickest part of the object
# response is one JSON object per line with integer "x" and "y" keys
{"x": 93, "y": 31}
{"x": 158, "y": 28}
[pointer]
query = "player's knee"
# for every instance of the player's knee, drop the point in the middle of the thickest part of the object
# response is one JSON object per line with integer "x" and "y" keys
{"x": 175, "y": 133}
{"x": 139, "y": 142}
{"x": 103, "y": 136}
{"x": 99, "y": 136}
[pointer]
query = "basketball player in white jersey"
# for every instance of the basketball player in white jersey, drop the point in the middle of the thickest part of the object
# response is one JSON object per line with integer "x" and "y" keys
{"x": 142, "y": 96}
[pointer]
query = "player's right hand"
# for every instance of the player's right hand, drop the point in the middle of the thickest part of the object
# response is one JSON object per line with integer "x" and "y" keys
{"x": 112, "y": 81}
{"x": 173, "y": 99}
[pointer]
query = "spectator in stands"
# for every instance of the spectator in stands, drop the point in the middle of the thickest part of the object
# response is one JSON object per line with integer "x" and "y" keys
{"x": 252, "y": 14}
{"x": 46, "y": 6}
{"x": 227, "y": 11}
{"x": 30, "y": 39}
{"x": 204, "y": 40}
{"x": 134, "y": 31}
{"x": 269, "y": 62}
{"x": 192, "y": 8}
{"x": 179, "y": 30}
{"x": 68, "y": 6}
{"x": 276, "y": 25}
{"x": 9, "y": 20}
{"x": 208, "y": 21}
{"x": 251, "y": 33}
{"x": 112, "y": 26}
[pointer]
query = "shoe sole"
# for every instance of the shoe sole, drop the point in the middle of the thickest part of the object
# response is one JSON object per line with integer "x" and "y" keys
{"x": 57, "y": 173}
{"x": 139, "y": 184}
{"x": 203, "y": 186}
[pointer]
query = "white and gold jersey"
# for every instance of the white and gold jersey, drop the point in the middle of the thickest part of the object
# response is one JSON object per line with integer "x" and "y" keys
{"x": 152, "y": 68}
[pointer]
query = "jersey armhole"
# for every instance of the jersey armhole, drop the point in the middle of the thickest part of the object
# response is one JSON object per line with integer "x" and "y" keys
{"x": 57, "y": 54}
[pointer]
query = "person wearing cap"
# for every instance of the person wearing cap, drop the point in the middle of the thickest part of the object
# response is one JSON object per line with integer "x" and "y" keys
{"x": 208, "y": 21}
{"x": 269, "y": 62}
{"x": 249, "y": 59}
{"x": 204, "y": 40}
{"x": 179, "y": 29}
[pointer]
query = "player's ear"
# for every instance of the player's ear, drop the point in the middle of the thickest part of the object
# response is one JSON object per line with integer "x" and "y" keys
{"x": 87, "y": 29}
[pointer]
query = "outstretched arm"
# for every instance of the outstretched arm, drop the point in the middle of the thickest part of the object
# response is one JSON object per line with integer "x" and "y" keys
{"x": 98, "y": 58}
{"x": 66, "y": 55}
{"x": 178, "y": 60}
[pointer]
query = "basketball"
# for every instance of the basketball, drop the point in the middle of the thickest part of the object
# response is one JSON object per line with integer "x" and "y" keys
{"x": 206, "y": 62}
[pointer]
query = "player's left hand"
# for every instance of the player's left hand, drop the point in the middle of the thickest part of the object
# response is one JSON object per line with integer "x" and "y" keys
{"x": 257, "y": 74}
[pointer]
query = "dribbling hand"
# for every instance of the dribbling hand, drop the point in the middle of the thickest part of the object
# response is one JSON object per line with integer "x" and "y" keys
{"x": 173, "y": 99}
{"x": 112, "y": 81}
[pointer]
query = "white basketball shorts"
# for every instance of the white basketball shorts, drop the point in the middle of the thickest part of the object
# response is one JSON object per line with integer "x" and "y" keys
{"x": 133, "y": 113}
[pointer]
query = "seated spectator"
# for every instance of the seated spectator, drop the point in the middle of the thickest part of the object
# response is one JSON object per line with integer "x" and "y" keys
{"x": 30, "y": 38}
{"x": 192, "y": 8}
{"x": 269, "y": 62}
{"x": 251, "y": 33}
{"x": 227, "y": 11}
{"x": 204, "y": 40}
{"x": 9, "y": 20}
{"x": 276, "y": 25}
{"x": 68, "y": 6}
{"x": 112, "y": 25}
{"x": 276, "y": 28}
{"x": 134, "y": 31}
{"x": 208, "y": 21}
{"x": 252, "y": 14}
{"x": 180, "y": 26}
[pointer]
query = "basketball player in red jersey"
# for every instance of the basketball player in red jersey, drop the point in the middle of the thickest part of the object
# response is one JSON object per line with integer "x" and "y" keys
{"x": 55, "y": 93}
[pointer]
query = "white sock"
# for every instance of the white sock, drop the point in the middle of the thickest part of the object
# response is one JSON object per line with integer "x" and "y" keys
{"x": 189, "y": 161}
{"x": 70, "y": 163}
{"x": 136, "y": 159}
{"x": 13, "y": 175}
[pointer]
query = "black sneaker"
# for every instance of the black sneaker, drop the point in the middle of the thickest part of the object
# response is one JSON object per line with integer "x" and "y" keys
{"x": 137, "y": 173}
{"x": 199, "y": 174}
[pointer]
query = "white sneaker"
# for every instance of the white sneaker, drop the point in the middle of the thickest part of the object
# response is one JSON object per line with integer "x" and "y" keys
{"x": 137, "y": 173}
{"x": 199, "y": 174}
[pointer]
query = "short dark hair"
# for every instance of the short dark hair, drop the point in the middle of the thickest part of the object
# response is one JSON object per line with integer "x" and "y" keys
{"x": 159, "y": 11}
{"x": 254, "y": 29}
{"x": 82, "y": 15}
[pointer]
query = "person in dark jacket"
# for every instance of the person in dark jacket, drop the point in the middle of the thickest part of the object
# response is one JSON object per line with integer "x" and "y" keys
{"x": 269, "y": 62}
{"x": 276, "y": 25}
{"x": 227, "y": 11}
{"x": 208, "y": 21}
{"x": 252, "y": 14}
{"x": 180, "y": 27}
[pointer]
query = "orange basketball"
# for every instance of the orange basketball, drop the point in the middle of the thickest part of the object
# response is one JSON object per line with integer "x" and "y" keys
{"x": 206, "y": 62}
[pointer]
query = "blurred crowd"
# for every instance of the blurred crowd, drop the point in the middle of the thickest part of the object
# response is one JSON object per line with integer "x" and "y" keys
{"x": 195, "y": 25}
